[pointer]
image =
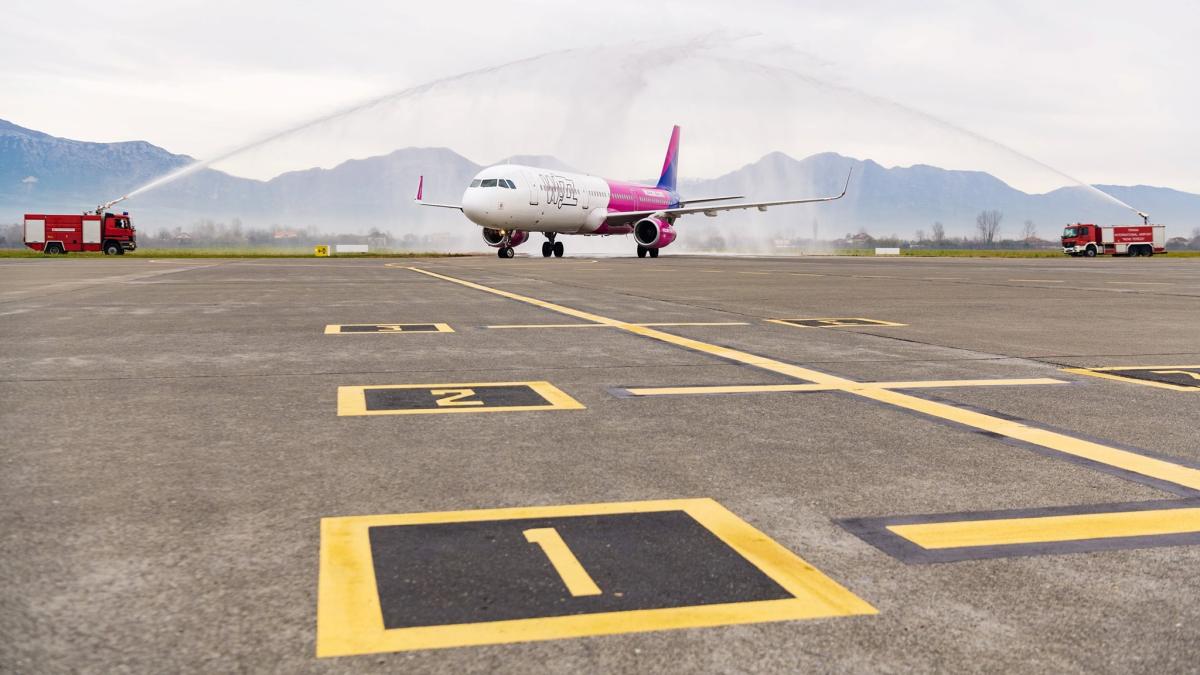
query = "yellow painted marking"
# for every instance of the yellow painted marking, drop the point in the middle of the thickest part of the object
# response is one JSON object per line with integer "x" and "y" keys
{"x": 769, "y": 388}
{"x": 1041, "y": 281}
{"x": 1041, "y": 529}
{"x": 454, "y": 397}
{"x": 352, "y": 401}
{"x": 1113, "y": 373}
{"x": 387, "y": 328}
{"x": 1114, "y": 457}
{"x": 833, "y": 322}
{"x": 576, "y": 579}
{"x": 1194, "y": 376}
{"x": 601, "y": 325}
{"x": 804, "y": 274}
{"x": 350, "y": 620}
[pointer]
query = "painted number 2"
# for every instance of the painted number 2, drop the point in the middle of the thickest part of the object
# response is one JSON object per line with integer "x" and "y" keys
{"x": 453, "y": 398}
{"x": 565, "y": 563}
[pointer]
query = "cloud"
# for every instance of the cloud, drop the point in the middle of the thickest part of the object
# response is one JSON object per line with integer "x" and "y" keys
{"x": 1092, "y": 88}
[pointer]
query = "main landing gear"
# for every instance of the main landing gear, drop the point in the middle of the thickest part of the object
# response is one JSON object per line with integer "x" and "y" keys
{"x": 643, "y": 252}
{"x": 505, "y": 252}
{"x": 552, "y": 247}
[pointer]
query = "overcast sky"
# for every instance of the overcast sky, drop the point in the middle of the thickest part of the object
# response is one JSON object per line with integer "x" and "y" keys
{"x": 1104, "y": 91}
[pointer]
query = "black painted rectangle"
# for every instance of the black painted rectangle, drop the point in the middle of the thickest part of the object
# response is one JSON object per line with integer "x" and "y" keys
{"x": 389, "y": 328}
{"x": 833, "y": 323}
{"x": 875, "y": 532}
{"x": 453, "y": 573}
{"x": 1180, "y": 377}
{"x": 453, "y": 396}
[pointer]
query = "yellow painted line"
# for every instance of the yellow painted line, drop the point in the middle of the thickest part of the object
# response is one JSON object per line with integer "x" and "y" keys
{"x": 1041, "y": 281}
{"x": 352, "y": 401}
{"x": 774, "y": 388}
{"x": 350, "y": 619}
{"x": 1122, "y": 459}
{"x": 1042, "y": 529}
{"x": 600, "y": 325}
{"x": 1113, "y": 373}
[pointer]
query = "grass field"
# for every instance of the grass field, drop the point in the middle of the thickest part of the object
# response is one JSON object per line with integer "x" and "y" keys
{"x": 987, "y": 253}
{"x": 307, "y": 253}
{"x": 227, "y": 253}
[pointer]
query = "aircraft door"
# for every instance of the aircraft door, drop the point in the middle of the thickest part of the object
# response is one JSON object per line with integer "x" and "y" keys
{"x": 585, "y": 189}
{"x": 533, "y": 188}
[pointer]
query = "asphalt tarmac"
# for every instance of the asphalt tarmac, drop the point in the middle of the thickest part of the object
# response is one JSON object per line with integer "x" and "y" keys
{"x": 483, "y": 465}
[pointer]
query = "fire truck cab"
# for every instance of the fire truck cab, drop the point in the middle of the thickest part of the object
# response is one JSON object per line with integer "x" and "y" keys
{"x": 58, "y": 234}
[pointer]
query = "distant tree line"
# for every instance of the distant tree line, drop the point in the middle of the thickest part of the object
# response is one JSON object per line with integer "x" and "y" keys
{"x": 212, "y": 234}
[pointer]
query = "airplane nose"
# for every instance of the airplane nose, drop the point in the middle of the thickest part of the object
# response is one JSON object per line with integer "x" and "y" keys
{"x": 475, "y": 206}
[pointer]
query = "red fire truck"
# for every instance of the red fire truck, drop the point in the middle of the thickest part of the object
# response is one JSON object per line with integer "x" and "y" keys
{"x": 1131, "y": 240}
{"x": 107, "y": 232}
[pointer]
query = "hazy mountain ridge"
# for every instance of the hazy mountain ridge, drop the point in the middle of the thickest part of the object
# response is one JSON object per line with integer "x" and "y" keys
{"x": 39, "y": 172}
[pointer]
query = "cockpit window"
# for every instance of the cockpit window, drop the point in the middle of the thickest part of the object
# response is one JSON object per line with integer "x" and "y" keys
{"x": 488, "y": 182}
{"x": 511, "y": 185}
{"x": 475, "y": 183}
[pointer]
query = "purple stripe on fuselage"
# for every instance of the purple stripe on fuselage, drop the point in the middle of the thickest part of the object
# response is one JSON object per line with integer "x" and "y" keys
{"x": 626, "y": 197}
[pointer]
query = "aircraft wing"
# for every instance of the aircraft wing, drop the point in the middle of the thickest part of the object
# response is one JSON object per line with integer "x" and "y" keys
{"x": 685, "y": 202}
{"x": 625, "y": 217}
{"x": 422, "y": 202}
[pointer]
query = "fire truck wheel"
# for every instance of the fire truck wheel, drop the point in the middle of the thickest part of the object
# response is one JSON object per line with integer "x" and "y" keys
{"x": 52, "y": 249}
{"x": 111, "y": 248}
{"x": 1091, "y": 252}
{"x": 120, "y": 251}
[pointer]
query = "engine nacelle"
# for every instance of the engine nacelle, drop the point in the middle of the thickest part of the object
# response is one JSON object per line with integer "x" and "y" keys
{"x": 500, "y": 238}
{"x": 653, "y": 232}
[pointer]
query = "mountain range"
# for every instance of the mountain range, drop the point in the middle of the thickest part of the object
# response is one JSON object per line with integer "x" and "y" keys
{"x": 44, "y": 173}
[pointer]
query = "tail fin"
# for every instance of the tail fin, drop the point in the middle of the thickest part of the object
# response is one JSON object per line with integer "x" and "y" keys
{"x": 671, "y": 164}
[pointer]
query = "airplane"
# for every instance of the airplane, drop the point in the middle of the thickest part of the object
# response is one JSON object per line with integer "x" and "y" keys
{"x": 509, "y": 201}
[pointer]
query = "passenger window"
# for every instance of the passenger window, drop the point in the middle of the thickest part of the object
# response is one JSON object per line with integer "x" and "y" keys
{"x": 490, "y": 182}
{"x": 475, "y": 183}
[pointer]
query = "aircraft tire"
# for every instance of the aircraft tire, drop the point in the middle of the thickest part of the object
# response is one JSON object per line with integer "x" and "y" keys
{"x": 547, "y": 249}
{"x": 641, "y": 251}
{"x": 558, "y": 249}
{"x": 653, "y": 252}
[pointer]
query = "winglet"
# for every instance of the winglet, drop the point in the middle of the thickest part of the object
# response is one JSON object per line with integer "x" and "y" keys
{"x": 845, "y": 189}
{"x": 420, "y": 188}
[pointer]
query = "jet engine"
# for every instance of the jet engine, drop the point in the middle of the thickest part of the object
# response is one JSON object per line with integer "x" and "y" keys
{"x": 500, "y": 238}
{"x": 653, "y": 233}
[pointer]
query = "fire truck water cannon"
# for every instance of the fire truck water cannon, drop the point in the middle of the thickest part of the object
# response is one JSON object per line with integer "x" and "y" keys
{"x": 107, "y": 205}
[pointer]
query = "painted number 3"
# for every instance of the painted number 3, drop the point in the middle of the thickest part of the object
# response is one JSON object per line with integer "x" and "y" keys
{"x": 453, "y": 398}
{"x": 576, "y": 579}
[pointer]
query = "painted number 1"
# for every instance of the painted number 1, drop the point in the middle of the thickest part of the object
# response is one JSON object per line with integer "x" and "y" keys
{"x": 565, "y": 563}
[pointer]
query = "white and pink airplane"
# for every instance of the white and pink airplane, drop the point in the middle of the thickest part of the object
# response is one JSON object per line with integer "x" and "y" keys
{"x": 509, "y": 201}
